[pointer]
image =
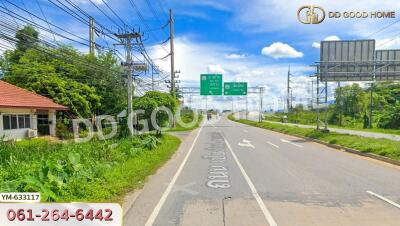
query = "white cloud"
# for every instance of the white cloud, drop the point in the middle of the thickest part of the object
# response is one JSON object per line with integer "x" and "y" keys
{"x": 215, "y": 68}
{"x": 194, "y": 58}
{"x": 235, "y": 56}
{"x": 281, "y": 50}
{"x": 317, "y": 45}
{"x": 257, "y": 72}
{"x": 332, "y": 38}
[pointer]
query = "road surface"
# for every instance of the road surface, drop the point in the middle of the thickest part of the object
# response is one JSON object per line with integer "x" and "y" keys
{"x": 230, "y": 174}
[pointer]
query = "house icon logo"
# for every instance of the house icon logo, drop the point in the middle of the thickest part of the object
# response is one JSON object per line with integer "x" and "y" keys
{"x": 311, "y": 14}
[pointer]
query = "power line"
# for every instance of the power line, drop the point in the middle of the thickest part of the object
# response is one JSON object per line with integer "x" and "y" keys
{"x": 383, "y": 28}
{"x": 115, "y": 14}
{"x": 105, "y": 14}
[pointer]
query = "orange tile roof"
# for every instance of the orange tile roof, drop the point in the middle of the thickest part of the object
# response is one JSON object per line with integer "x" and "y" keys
{"x": 15, "y": 97}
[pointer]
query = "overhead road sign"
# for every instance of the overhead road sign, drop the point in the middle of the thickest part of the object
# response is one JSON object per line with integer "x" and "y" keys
{"x": 210, "y": 84}
{"x": 235, "y": 88}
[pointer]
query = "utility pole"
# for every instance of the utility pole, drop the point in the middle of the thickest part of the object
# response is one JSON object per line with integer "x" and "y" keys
{"x": 318, "y": 121}
{"x": 247, "y": 107}
{"x": 260, "y": 117}
{"x": 339, "y": 103}
{"x": 126, "y": 40}
{"x": 326, "y": 106}
{"x": 152, "y": 77}
{"x": 172, "y": 51}
{"x": 312, "y": 94}
{"x": 288, "y": 91}
{"x": 92, "y": 44}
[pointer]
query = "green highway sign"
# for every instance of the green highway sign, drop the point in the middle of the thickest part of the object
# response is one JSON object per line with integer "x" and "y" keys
{"x": 211, "y": 84}
{"x": 235, "y": 88}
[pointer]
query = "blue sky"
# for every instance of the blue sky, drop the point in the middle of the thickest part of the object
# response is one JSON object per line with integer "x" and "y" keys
{"x": 246, "y": 40}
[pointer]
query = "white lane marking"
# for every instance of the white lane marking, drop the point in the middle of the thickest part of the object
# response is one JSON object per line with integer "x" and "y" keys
{"x": 272, "y": 144}
{"x": 156, "y": 211}
{"x": 253, "y": 189}
{"x": 245, "y": 131}
{"x": 246, "y": 143}
{"x": 384, "y": 199}
{"x": 290, "y": 142}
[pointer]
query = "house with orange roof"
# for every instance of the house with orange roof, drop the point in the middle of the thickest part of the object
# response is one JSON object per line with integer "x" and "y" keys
{"x": 24, "y": 114}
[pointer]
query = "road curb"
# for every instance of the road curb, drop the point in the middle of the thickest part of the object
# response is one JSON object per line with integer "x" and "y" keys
{"x": 339, "y": 147}
{"x": 352, "y": 151}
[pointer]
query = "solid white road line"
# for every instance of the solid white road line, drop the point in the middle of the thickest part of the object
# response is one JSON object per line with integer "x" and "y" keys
{"x": 384, "y": 199}
{"x": 156, "y": 211}
{"x": 290, "y": 142}
{"x": 272, "y": 144}
{"x": 253, "y": 189}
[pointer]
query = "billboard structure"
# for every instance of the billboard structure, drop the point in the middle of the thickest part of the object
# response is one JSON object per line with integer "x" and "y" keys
{"x": 347, "y": 60}
{"x": 387, "y": 64}
{"x": 357, "y": 60}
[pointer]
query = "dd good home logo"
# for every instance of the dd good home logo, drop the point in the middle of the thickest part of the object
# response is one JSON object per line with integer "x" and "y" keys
{"x": 311, "y": 14}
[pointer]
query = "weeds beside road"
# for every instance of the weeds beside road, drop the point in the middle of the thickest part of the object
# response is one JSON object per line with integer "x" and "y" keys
{"x": 93, "y": 171}
{"x": 383, "y": 147}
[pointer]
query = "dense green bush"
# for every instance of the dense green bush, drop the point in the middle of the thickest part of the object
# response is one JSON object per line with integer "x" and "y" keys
{"x": 72, "y": 171}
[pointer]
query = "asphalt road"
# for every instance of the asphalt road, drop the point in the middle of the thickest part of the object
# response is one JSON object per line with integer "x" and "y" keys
{"x": 230, "y": 174}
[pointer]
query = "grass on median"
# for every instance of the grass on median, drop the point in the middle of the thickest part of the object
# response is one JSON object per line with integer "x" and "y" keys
{"x": 383, "y": 147}
{"x": 96, "y": 171}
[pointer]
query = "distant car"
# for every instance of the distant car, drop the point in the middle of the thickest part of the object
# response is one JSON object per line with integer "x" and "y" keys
{"x": 208, "y": 116}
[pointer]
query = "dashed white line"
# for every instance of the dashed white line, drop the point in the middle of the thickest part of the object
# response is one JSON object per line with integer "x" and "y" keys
{"x": 156, "y": 211}
{"x": 245, "y": 131}
{"x": 253, "y": 189}
{"x": 290, "y": 142}
{"x": 272, "y": 144}
{"x": 384, "y": 199}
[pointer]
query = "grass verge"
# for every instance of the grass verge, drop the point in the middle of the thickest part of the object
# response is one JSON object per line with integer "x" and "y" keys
{"x": 383, "y": 147}
{"x": 311, "y": 122}
{"x": 96, "y": 171}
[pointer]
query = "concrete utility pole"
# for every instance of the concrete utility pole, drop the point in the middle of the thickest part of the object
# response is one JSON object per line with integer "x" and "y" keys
{"x": 312, "y": 94}
{"x": 247, "y": 107}
{"x": 126, "y": 40}
{"x": 172, "y": 51}
{"x": 288, "y": 91}
{"x": 326, "y": 106}
{"x": 339, "y": 103}
{"x": 260, "y": 117}
{"x": 318, "y": 121}
{"x": 152, "y": 77}
{"x": 92, "y": 44}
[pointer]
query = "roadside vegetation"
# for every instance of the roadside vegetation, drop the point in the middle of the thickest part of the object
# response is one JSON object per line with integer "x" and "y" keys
{"x": 89, "y": 85}
{"x": 93, "y": 171}
{"x": 351, "y": 110}
{"x": 188, "y": 116}
{"x": 383, "y": 147}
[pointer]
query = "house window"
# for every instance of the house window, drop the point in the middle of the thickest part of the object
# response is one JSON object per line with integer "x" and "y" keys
{"x": 16, "y": 122}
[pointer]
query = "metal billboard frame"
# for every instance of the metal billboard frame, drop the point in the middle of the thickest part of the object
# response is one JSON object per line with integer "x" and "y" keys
{"x": 347, "y": 60}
